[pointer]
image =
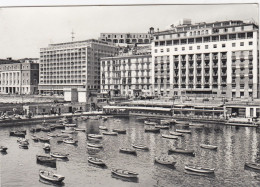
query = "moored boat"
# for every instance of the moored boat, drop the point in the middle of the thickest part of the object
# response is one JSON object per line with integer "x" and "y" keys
{"x": 169, "y": 136}
{"x": 253, "y": 165}
{"x": 154, "y": 130}
{"x": 182, "y": 123}
{"x": 3, "y": 148}
{"x": 23, "y": 145}
{"x": 164, "y": 161}
{"x": 59, "y": 126}
{"x": 96, "y": 161}
{"x": 110, "y": 133}
{"x": 23, "y": 140}
{"x": 47, "y": 147}
{"x": 44, "y": 139}
{"x": 200, "y": 169}
{"x": 95, "y": 145}
{"x": 80, "y": 129}
{"x": 103, "y": 128}
{"x": 120, "y": 131}
{"x": 140, "y": 146}
{"x": 70, "y": 124}
{"x": 70, "y": 141}
{"x": 98, "y": 136}
{"x": 18, "y": 133}
{"x": 196, "y": 125}
{"x": 93, "y": 139}
{"x": 162, "y": 126}
{"x": 59, "y": 155}
{"x": 128, "y": 151}
{"x": 181, "y": 150}
{"x": 175, "y": 133}
{"x": 183, "y": 131}
{"x": 35, "y": 138}
{"x": 124, "y": 173}
{"x": 46, "y": 129}
{"x": 50, "y": 176}
{"x": 68, "y": 131}
{"x": 207, "y": 146}
{"x": 46, "y": 159}
{"x": 150, "y": 123}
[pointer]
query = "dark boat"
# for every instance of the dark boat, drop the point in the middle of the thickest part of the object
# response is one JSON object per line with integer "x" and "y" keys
{"x": 176, "y": 133}
{"x": 120, "y": 131}
{"x": 183, "y": 131}
{"x": 164, "y": 161}
{"x": 70, "y": 125}
{"x": 59, "y": 126}
{"x": 23, "y": 140}
{"x": 200, "y": 169}
{"x": 128, "y": 151}
{"x": 140, "y": 146}
{"x": 59, "y": 155}
{"x": 79, "y": 129}
{"x": 18, "y": 133}
{"x": 253, "y": 165}
{"x": 46, "y": 129}
{"x": 96, "y": 161}
{"x": 153, "y": 130}
{"x": 46, "y": 159}
{"x": 124, "y": 173}
{"x": 182, "y": 123}
{"x": 161, "y": 127}
{"x": 182, "y": 151}
{"x": 34, "y": 138}
{"x": 23, "y": 145}
{"x": 150, "y": 123}
{"x": 3, "y": 149}
{"x": 50, "y": 176}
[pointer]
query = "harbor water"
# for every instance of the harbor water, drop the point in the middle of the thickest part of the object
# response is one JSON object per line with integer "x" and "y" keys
{"x": 236, "y": 145}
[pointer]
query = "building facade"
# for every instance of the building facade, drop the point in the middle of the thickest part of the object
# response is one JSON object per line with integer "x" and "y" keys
{"x": 72, "y": 65}
{"x": 128, "y": 74}
{"x": 19, "y": 77}
{"x": 128, "y": 38}
{"x": 219, "y": 59}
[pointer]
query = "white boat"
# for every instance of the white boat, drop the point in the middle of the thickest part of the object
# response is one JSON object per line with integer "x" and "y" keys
{"x": 169, "y": 136}
{"x": 70, "y": 141}
{"x": 98, "y": 136}
{"x": 140, "y": 146}
{"x": 80, "y": 129}
{"x": 150, "y": 123}
{"x": 207, "y": 146}
{"x": 59, "y": 155}
{"x": 110, "y": 133}
{"x": 253, "y": 165}
{"x": 161, "y": 126}
{"x": 196, "y": 125}
{"x": 96, "y": 161}
{"x": 200, "y": 169}
{"x": 124, "y": 173}
{"x": 128, "y": 151}
{"x": 50, "y": 176}
{"x": 164, "y": 161}
{"x": 175, "y": 133}
{"x": 183, "y": 151}
{"x": 103, "y": 128}
{"x": 183, "y": 131}
{"x": 182, "y": 123}
{"x": 95, "y": 145}
{"x": 70, "y": 125}
{"x": 68, "y": 131}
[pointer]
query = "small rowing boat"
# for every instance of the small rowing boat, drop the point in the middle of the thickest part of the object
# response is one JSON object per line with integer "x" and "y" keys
{"x": 169, "y": 136}
{"x": 253, "y": 165}
{"x": 47, "y": 147}
{"x": 70, "y": 125}
{"x": 207, "y": 146}
{"x": 110, "y": 133}
{"x": 50, "y": 176}
{"x": 43, "y": 139}
{"x": 161, "y": 126}
{"x": 140, "y": 146}
{"x": 98, "y": 136}
{"x": 120, "y": 131}
{"x": 68, "y": 131}
{"x": 45, "y": 159}
{"x": 79, "y": 129}
{"x": 175, "y": 133}
{"x": 96, "y": 161}
{"x": 128, "y": 151}
{"x": 150, "y": 123}
{"x": 103, "y": 128}
{"x": 46, "y": 129}
{"x": 183, "y": 131}
{"x": 124, "y": 173}
{"x": 182, "y": 123}
{"x": 182, "y": 151}
{"x": 200, "y": 169}
{"x": 164, "y": 161}
{"x": 153, "y": 130}
{"x": 95, "y": 145}
{"x": 59, "y": 155}
{"x": 70, "y": 141}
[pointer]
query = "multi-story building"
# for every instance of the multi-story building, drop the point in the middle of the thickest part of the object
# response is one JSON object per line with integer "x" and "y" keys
{"x": 72, "y": 65}
{"x": 218, "y": 59}
{"x": 128, "y": 38}
{"x": 18, "y": 77}
{"x": 128, "y": 74}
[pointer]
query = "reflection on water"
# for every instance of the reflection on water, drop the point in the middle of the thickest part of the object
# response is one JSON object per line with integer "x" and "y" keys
{"x": 235, "y": 147}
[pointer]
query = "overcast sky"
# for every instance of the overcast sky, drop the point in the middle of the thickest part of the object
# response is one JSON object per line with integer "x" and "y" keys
{"x": 24, "y": 31}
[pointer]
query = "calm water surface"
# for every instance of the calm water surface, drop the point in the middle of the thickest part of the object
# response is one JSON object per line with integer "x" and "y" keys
{"x": 235, "y": 147}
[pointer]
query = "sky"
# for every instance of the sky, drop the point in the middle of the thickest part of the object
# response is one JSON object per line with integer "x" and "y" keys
{"x": 24, "y": 30}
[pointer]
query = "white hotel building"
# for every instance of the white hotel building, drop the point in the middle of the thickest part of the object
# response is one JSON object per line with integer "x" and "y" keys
{"x": 219, "y": 59}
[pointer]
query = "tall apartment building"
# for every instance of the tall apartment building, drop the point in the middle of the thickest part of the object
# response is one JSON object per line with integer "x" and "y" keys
{"x": 128, "y": 74}
{"x": 72, "y": 65}
{"x": 219, "y": 59}
{"x": 128, "y": 38}
{"x": 19, "y": 77}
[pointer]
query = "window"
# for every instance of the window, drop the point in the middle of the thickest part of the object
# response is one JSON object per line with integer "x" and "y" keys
{"x": 206, "y": 46}
{"x": 234, "y": 29}
{"x": 241, "y": 43}
{"x": 161, "y": 50}
{"x": 175, "y": 49}
{"x": 223, "y": 45}
{"x": 168, "y": 49}
{"x": 242, "y": 86}
{"x": 242, "y": 28}
{"x": 198, "y": 47}
{"x": 250, "y": 43}
{"x": 183, "y": 48}
{"x": 190, "y": 48}
{"x": 155, "y": 50}
{"x": 233, "y": 44}
{"x": 215, "y": 46}
{"x": 241, "y": 94}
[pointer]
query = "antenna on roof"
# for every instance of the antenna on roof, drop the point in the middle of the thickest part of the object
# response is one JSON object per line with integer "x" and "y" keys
{"x": 72, "y": 35}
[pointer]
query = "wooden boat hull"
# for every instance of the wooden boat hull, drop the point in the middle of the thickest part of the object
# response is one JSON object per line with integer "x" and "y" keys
{"x": 57, "y": 179}
{"x": 169, "y": 136}
{"x": 183, "y": 131}
{"x": 110, "y": 133}
{"x": 119, "y": 131}
{"x": 164, "y": 162}
{"x": 155, "y": 130}
{"x": 199, "y": 170}
{"x": 126, "y": 174}
{"x": 46, "y": 159}
{"x": 212, "y": 147}
{"x": 98, "y": 136}
{"x": 142, "y": 147}
{"x": 161, "y": 127}
{"x": 95, "y": 145}
{"x": 127, "y": 151}
{"x": 176, "y": 133}
{"x": 62, "y": 156}
{"x": 3, "y": 149}
{"x": 96, "y": 161}
{"x": 253, "y": 165}
{"x": 182, "y": 151}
